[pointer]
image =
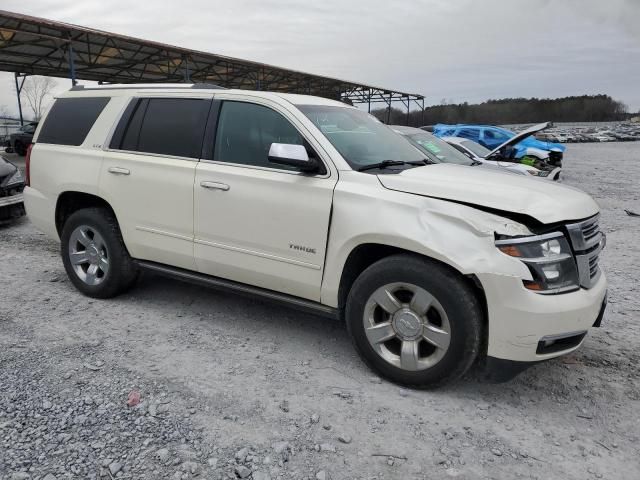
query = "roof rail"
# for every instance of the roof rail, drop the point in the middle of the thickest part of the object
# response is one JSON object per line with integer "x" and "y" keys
{"x": 119, "y": 86}
{"x": 208, "y": 86}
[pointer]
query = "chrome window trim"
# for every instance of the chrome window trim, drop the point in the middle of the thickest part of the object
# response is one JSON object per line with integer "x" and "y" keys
{"x": 147, "y": 154}
{"x": 267, "y": 169}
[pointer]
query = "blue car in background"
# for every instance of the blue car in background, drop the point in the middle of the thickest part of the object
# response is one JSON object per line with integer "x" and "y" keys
{"x": 492, "y": 137}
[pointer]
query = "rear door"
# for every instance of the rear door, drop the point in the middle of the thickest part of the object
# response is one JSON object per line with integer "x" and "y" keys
{"x": 256, "y": 222}
{"x": 148, "y": 173}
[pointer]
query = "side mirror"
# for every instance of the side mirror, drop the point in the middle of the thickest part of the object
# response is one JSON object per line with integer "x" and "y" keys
{"x": 292, "y": 156}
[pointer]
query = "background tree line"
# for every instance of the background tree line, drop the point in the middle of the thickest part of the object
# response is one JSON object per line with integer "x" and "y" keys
{"x": 585, "y": 108}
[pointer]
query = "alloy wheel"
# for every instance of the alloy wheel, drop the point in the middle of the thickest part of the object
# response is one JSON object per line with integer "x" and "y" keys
{"x": 88, "y": 255}
{"x": 407, "y": 326}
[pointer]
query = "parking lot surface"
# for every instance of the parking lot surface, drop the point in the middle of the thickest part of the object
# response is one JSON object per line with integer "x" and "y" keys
{"x": 235, "y": 388}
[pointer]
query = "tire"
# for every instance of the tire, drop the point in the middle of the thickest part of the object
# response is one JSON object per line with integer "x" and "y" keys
{"x": 415, "y": 282}
{"x": 19, "y": 148}
{"x": 101, "y": 266}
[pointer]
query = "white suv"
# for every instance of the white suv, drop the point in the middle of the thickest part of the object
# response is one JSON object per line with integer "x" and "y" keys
{"x": 317, "y": 204}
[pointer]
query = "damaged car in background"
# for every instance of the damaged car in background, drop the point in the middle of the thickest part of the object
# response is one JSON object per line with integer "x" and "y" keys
{"x": 447, "y": 150}
{"x": 529, "y": 149}
{"x": 505, "y": 155}
{"x": 11, "y": 187}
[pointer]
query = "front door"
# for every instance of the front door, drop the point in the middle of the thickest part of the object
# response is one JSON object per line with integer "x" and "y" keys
{"x": 256, "y": 222}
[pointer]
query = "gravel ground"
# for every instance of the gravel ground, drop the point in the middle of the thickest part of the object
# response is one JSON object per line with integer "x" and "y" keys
{"x": 232, "y": 388}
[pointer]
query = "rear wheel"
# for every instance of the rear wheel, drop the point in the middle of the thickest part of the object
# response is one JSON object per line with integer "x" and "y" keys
{"x": 94, "y": 254}
{"x": 414, "y": 321}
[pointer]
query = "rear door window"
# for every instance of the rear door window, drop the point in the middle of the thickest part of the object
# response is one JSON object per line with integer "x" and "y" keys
{"x": 166, "y": 126}
{"x": 70, "y": 120}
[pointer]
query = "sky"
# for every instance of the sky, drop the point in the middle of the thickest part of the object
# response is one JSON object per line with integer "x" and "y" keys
{"x": 447, "y": 50}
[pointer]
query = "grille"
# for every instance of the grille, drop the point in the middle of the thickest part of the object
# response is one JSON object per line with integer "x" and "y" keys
{"x": 590, "y": 229}
{"x": 587, "y": 241}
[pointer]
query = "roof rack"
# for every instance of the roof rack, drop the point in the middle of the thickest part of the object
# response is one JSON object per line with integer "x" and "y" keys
{"x": 145, "y": 86}
{"x": 208, "y": 86}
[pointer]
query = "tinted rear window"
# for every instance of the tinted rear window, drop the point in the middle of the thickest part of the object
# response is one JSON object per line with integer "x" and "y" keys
{"x": 70, "y": 120}
{"x": 168, "y": 126}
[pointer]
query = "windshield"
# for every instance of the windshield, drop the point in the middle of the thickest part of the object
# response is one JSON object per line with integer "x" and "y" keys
{"x": 437, "y": 150}
{"x": 359, "y": 137}
{"x": 475, "y": 148}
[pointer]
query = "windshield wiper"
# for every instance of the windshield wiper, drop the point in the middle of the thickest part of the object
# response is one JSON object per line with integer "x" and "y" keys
{"x": 475, "y": 162}
{"x": 392, "y": 163}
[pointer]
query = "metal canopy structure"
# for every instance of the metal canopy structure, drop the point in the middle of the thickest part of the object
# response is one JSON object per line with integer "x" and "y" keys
{"x": 37, "y": 46}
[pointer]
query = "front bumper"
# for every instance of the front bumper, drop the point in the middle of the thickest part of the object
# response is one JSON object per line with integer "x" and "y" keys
{"x": 519, "y": 319}
{"x": 499, "y": 370}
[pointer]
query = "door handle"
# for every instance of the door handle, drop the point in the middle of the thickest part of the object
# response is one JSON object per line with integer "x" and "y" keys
{"x": 215, "y": 186}
{"x": 119, "y": 171}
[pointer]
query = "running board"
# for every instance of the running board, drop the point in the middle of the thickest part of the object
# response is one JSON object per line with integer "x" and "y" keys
{"x": 240, "y": 288}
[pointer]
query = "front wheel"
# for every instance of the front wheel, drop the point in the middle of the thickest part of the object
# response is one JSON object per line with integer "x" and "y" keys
{"x": 414, "y": 321}
{"x": 94, "y": 254}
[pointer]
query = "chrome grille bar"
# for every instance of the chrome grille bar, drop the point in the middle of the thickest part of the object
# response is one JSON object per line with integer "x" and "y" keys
{"x": 587, "y": 241}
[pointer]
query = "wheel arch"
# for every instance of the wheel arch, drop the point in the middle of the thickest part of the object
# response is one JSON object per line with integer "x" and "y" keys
{"x": 71, "y": 201}
{"x": 366, "y": 254}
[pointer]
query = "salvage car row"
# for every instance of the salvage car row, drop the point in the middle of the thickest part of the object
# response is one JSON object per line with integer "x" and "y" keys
{"x": 622, "y": 132}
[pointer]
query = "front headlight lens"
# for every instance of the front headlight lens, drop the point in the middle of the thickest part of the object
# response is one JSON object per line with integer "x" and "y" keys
{"x": 551, "y": 248}
{"x": 549, "y": 259}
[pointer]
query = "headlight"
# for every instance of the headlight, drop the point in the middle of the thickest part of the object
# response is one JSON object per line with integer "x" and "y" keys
{"x": 548, "y": 258}
{"x": 538, "y": 173}
{"x": 15, "y": 178}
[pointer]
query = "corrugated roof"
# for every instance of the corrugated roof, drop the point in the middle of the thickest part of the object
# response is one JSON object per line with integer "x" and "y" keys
{"x": 32, "y": 45}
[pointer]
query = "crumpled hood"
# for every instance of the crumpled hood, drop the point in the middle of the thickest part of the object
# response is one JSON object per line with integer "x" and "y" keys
{"x": 547, "y": 202}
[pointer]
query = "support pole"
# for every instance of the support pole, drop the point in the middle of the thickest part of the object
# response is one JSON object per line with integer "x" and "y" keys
{"x": 389, "y": 111}
{"x": 369, "y": 101}
{"x": 422, "y": 111}
{"x": 18, "y": 91}
{"x": 408, "y": 105}
{"x": 72, "y": 65}
{"x": 185, "y": 72}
